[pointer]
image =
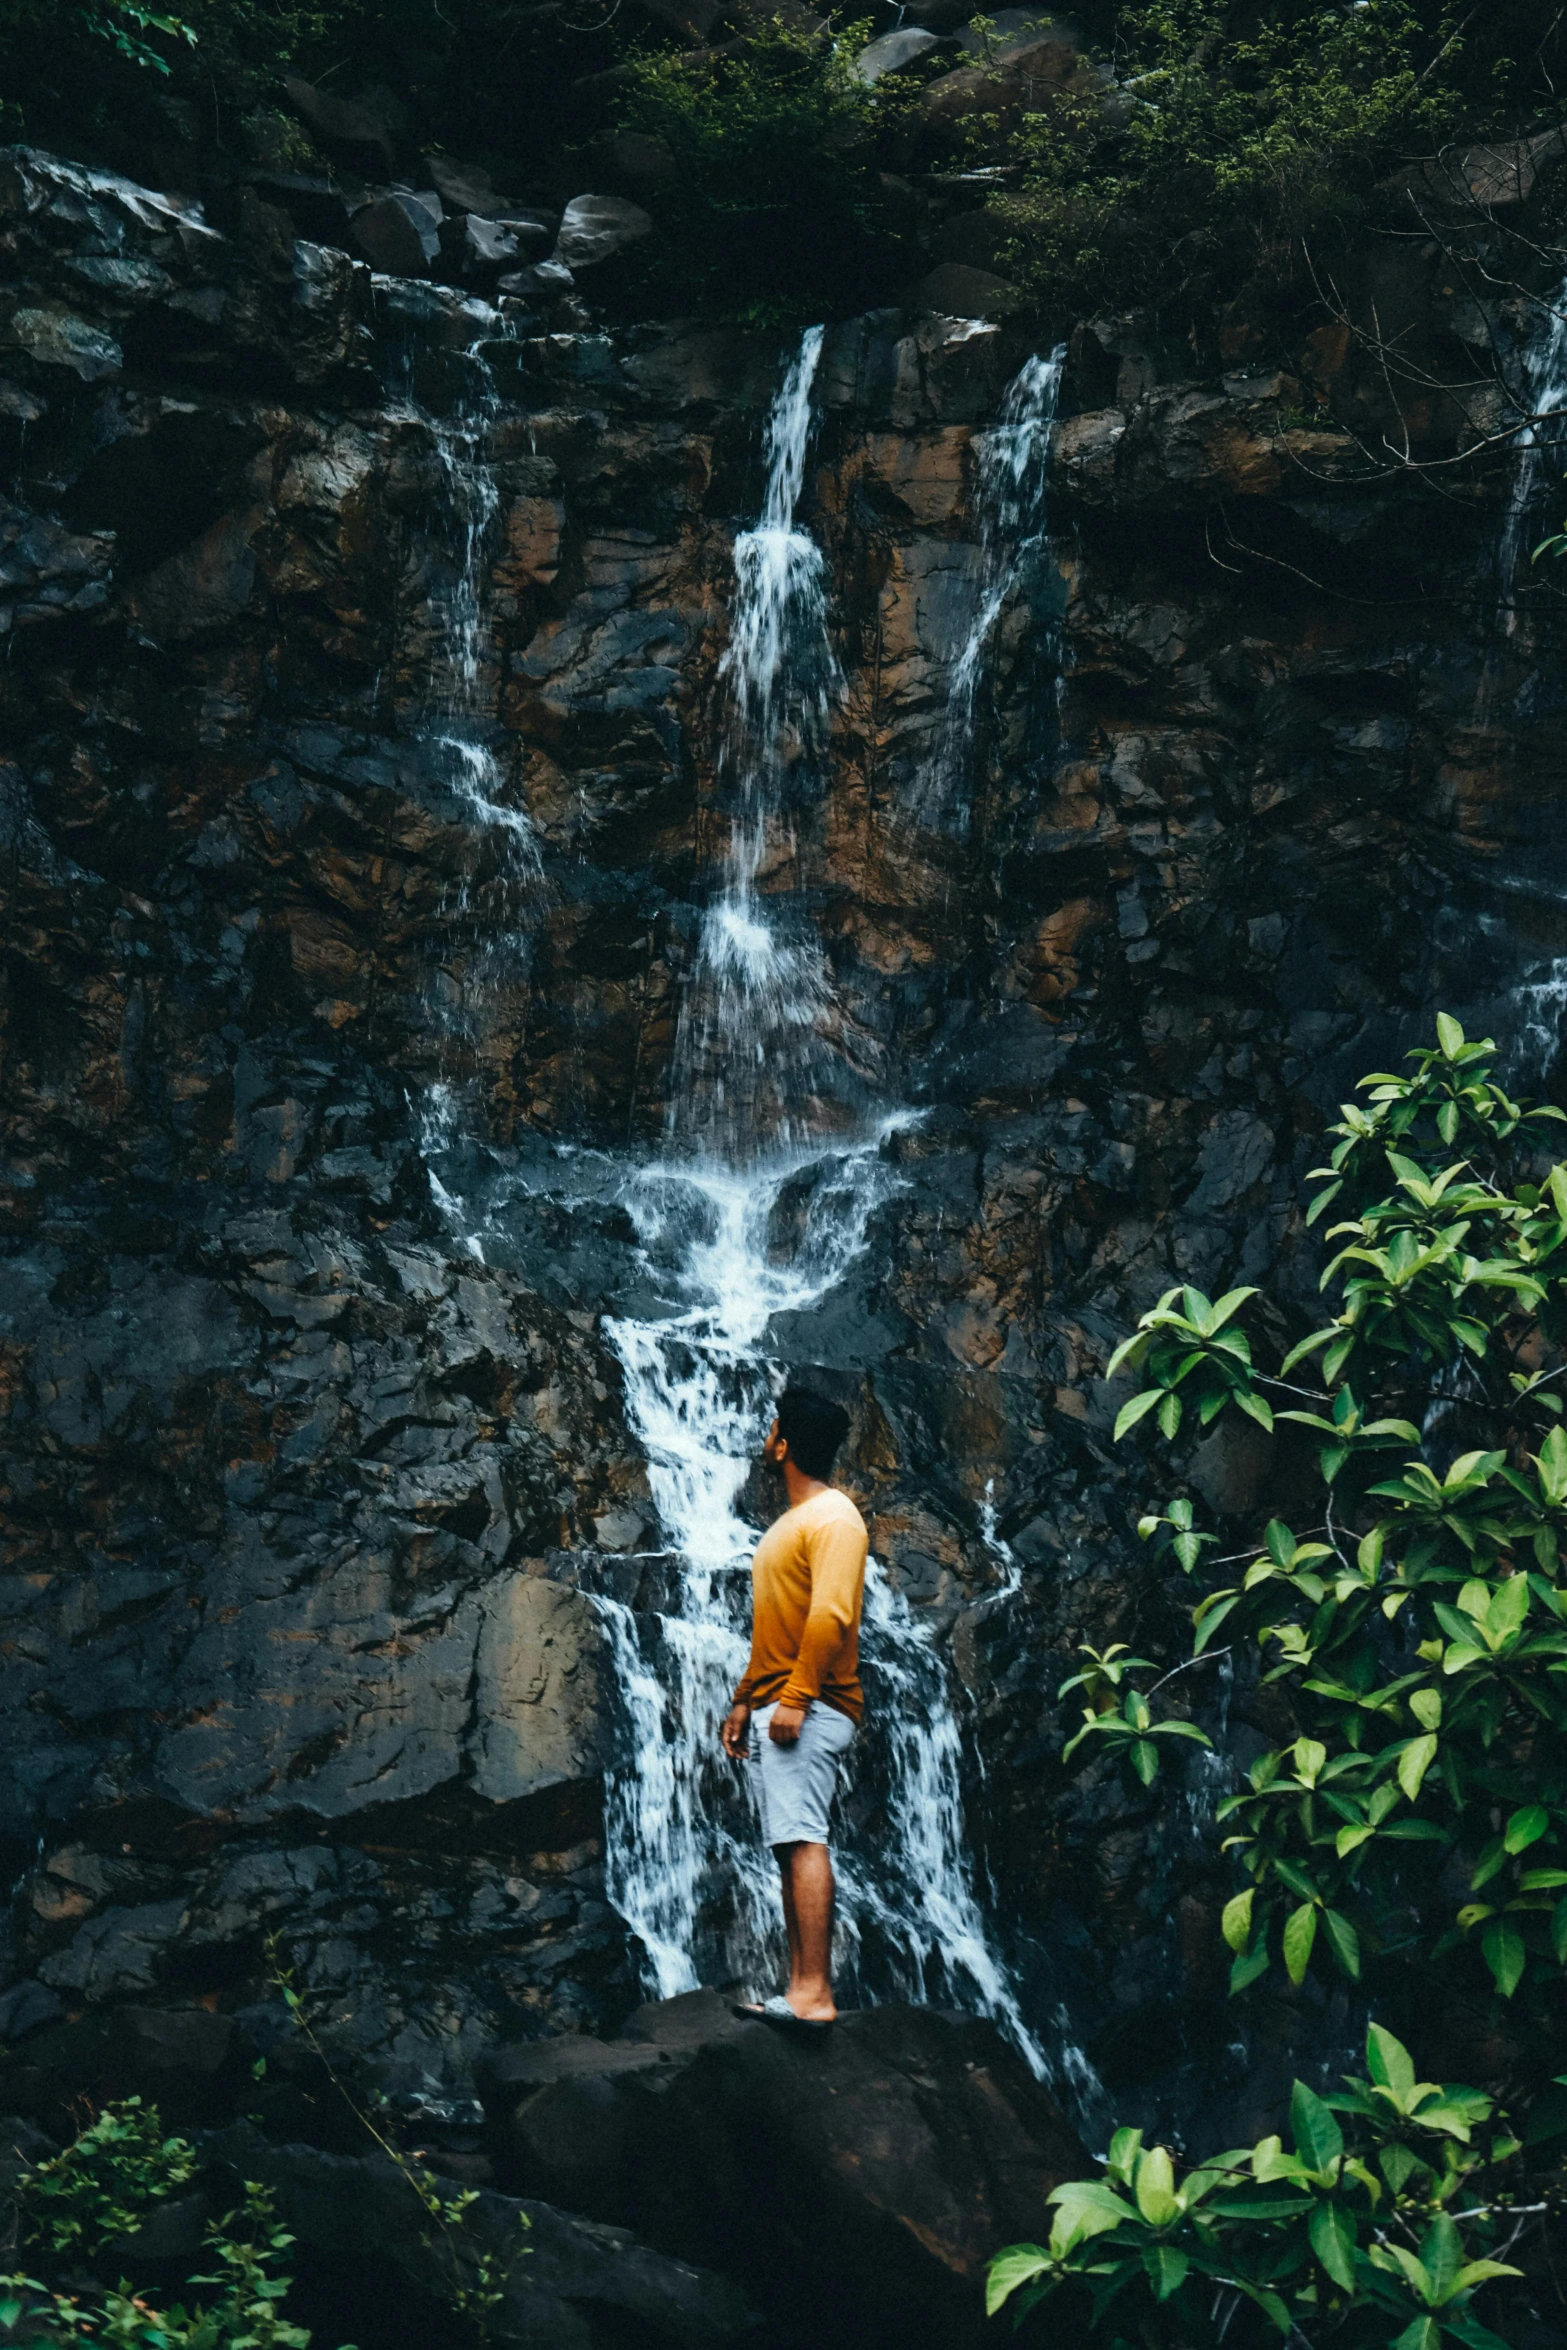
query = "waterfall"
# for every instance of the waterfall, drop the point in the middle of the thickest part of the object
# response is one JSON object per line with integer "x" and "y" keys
{"x": 455, "y": 730}
{"x": 757, "y": 1206}
{"x": 1543, "y": 395}
{"x": 750, "y": 1060}
{"x": 1012, "y": 472}
{"x": 686, "y": 1866}
{"x": 1537, "y": 1003}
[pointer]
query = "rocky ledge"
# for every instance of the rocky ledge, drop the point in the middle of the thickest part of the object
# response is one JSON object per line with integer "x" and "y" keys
{"x": 696, "y": 2181}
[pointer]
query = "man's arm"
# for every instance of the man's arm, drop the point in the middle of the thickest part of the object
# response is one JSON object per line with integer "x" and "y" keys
{"x": 734, "y": 1733}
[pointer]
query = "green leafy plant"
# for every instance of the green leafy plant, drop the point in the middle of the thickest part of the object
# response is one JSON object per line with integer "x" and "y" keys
{"x": 1117, "y": 1714}
{"x": 124, "y": 25}
{"x": 1416, "y": 1820}
{"x": 247, "y": 2247}
{"x": 1392, "y": 2209}
{"x": 105, "y": 2182}
{"x": 1226, "y": 136}
{"x": 1421, "y": 1630}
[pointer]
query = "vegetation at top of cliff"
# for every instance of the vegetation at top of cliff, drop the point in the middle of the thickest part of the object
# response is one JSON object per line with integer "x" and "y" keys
{"x": 1231, "y": 135}
{"x": 1166, "y": 150}
{"x": 773, "y": 204}
{"x": 1410, "y": 1620}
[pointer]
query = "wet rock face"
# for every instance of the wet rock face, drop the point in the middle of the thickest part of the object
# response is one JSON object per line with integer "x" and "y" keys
{"x": 289, "y": 1471}
{"x": 874, "y": 2169}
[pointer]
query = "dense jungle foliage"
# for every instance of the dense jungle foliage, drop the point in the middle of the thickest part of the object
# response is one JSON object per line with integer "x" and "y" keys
{"x": 1408, "y": 1605}
{"x": 1173, "y": 141}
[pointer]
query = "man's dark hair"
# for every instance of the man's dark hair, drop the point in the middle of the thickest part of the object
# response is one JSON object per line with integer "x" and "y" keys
{"x": 812, "y": 1428}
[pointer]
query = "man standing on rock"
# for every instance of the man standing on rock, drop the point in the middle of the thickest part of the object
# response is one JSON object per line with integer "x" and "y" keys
{"x": 797, "y": 1707}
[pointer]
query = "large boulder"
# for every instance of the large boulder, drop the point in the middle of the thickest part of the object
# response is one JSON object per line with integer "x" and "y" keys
{"x": 893, "y": 52}
{"x": 568, "y": 2284}
{"x": 595, "y": 228}
{"x": 399, "y": 233}
{"x": 873, "y": 2171}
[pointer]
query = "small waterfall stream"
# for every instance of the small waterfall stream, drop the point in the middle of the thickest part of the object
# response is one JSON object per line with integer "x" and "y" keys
{"x": 1537, "y": 1003}
{"x": 750, "y": 1060}
{"x": 1543, "y": 399}
{"x": 758, "y": 1205}
{"x": 1012, "y": 476}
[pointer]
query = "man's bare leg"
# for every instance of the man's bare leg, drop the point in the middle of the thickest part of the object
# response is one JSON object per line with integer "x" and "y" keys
{"x": 808, "y": 1896}
{"x": 785, "y": 1855}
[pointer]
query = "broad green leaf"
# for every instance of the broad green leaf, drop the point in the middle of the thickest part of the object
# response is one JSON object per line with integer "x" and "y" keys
{"x": 1450, "y": 1037}
{"x": 1130, "y": 1413}
{"x": 1526, "y": 1827}
{"x": 1553, "y": 1457}
{"x": 1235, "y": 1925}
{"x": 1247, "y": 1968}
{"x": 1310, "y": 1755}
{"x": 1017, "y": 2265}
{"x": 1424, "y": 2334}
{"x": 1441, "y": 2256}
{"x": 1502, "y": 1947}
{"x": 1414, "y": 1762}
{"x": 1343, "y": 1941}
{"x": 1426, "y": 1706}
{"x": 1318, "y": 2139}
{"x": 1166, "y": 2269}
{"x": 1389, "y": 2062}
{"x": 1088, "y": 2207}
{"x": 1156, "y": 2197}
{"x": 1480, "y": 2272}
{"x": 1509, "y": 1608}
{"x": 1300, "y": 1932}
{"x": 1169, "y": 1416}
{"x": 1332, "y": 2234}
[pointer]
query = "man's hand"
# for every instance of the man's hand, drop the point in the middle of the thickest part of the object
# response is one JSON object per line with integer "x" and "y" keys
{"x": 736, "y": 1732}
{"x": 786, "y": 1724}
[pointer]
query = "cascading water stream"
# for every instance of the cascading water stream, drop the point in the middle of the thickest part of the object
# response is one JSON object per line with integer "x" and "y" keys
{"x": 1012, "y": 483}
{"x": 752, "y": 1211}
{"x": 456, "y": 731}
{"x": 685, "y": 1865}
{"x": 749, "y": 1056}
{"x": 1543, "y": 396}
{"x": 1537, "y": 1003}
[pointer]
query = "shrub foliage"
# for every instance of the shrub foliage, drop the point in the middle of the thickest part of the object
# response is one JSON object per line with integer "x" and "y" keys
{"x": 1414, "y": 1828}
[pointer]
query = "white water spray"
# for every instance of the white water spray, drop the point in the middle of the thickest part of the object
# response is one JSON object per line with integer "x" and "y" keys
{"x": 1540, "y": 445}
{"x": 1012, "y": 475}
{"x": 750, "y": 1057}
{"x": 458, "y": 737}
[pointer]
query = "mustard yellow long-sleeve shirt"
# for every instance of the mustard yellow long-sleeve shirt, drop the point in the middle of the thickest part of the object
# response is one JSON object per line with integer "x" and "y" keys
{"x": 807, "y": 1586}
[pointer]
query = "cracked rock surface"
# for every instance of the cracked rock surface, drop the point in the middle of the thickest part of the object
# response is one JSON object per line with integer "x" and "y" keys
{"x": 296, "y": 1491}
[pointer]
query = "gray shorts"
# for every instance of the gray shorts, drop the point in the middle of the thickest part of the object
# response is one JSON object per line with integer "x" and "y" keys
{"x": 794, "y": 1784}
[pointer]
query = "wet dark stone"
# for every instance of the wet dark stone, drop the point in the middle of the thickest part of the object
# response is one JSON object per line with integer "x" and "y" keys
{"x": 883, "y": 2161}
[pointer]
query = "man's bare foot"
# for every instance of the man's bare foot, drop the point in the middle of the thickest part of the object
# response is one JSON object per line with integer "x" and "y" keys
{"x": 814, "y": 2015}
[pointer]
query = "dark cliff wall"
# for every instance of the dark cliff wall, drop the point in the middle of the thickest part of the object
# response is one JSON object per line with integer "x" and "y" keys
{"x": 291, "y": 1479}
